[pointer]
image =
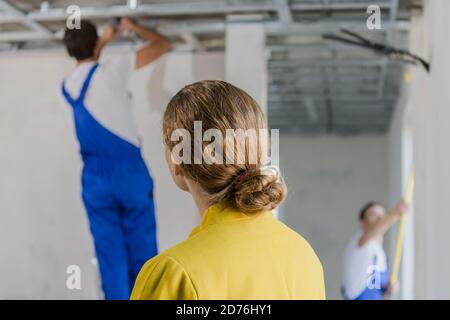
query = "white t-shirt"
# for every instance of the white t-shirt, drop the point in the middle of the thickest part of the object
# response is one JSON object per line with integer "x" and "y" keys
{"x": 107, "y": 98}
{"x": 359, "y": 265}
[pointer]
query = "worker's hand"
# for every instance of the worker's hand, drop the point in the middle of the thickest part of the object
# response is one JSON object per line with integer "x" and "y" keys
{"x": 127, "y": 24}
{"x": 108, "y": 35}
{"x": 402, "y": 208}
{"x": 392, "y": 288}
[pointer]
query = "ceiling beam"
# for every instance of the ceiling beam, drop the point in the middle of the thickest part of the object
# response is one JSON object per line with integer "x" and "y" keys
{"x": 160, "y": 9}
{"x": 328, "y": 26}
{"x": 272, "y": 28}
{"x": 19, "y": 16}
{"x": 307, "y": 63}
{"x": 337, "y": 6}
{"x": 345, "y": 98}
{"x": 282, "y": 7}
{"x": 24, "y": 36}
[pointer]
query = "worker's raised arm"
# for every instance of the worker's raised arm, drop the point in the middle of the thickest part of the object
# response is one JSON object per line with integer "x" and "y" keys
{"x": 380, "y": 227}
{"x": 157, "y": 46}
{"x": 108, "y": 35}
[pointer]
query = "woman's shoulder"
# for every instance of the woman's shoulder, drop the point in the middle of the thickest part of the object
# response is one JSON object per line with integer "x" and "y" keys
{"x": 210, "y": 242}
{"x": 172, "y": 259}
{"x": 157, "y": 276}
{"x": 168, "y": 258}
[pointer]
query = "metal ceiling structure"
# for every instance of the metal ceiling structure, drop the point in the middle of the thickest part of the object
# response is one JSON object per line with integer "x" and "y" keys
{"x": 315, "y": 86}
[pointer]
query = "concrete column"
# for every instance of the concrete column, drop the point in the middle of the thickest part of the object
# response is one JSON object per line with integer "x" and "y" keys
{"x": 245, "y": 57}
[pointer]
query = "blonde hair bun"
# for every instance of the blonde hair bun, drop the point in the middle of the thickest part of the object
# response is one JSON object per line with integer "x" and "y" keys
{"x": 259, "y": 190}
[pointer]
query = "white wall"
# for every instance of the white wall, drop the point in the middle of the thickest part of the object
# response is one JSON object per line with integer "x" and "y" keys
{"x": 329, "y": 180}
{"x": 430, "y": 98}
{"x": 43, "y": 225}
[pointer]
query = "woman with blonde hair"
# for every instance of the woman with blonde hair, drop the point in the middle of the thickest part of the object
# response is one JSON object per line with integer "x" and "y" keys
{"x": 239, "y": 250}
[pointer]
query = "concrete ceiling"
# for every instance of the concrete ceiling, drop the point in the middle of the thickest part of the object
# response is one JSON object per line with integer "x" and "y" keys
{"x": 315, "y": 86}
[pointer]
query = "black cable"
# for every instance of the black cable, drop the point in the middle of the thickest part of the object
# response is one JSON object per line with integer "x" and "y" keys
{"x": 391, "y": 52}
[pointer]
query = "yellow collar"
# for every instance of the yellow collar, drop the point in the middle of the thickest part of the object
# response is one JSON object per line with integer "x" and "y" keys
{"x": 222, "y": 213}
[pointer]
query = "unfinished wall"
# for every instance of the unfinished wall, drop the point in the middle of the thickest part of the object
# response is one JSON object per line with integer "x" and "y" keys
{"x": 43, "y": 227}
{"x": 329, "y": 180}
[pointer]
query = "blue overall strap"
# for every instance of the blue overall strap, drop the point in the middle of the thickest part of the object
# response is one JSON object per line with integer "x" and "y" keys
{"x": 83, "y": 90}
{"x": 66, "y": 95}
{"x": 86, "y": 83}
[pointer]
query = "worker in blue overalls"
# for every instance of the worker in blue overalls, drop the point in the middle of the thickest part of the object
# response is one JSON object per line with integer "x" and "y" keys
{"x": 117, "y": 189}
{"x": 365, "y": 270}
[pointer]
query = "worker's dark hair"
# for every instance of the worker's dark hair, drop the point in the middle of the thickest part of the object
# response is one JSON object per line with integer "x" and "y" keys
{"x": 80, "y": 43}
{"x": 366, "y": 207}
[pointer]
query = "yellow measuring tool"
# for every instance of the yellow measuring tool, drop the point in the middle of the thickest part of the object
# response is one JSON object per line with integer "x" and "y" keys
{"x": 401, "y": 230}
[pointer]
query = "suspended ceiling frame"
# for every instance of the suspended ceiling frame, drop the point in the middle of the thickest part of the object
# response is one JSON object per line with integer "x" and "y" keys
{"x": 315, "y": 87}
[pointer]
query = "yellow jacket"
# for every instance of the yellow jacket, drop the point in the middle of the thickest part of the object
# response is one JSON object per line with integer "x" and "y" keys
{"x": 231, "y": 255}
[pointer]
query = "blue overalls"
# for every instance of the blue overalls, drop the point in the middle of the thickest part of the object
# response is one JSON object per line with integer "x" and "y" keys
{"x": 373, "y": 293}
{"x": 117, "y": 194}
